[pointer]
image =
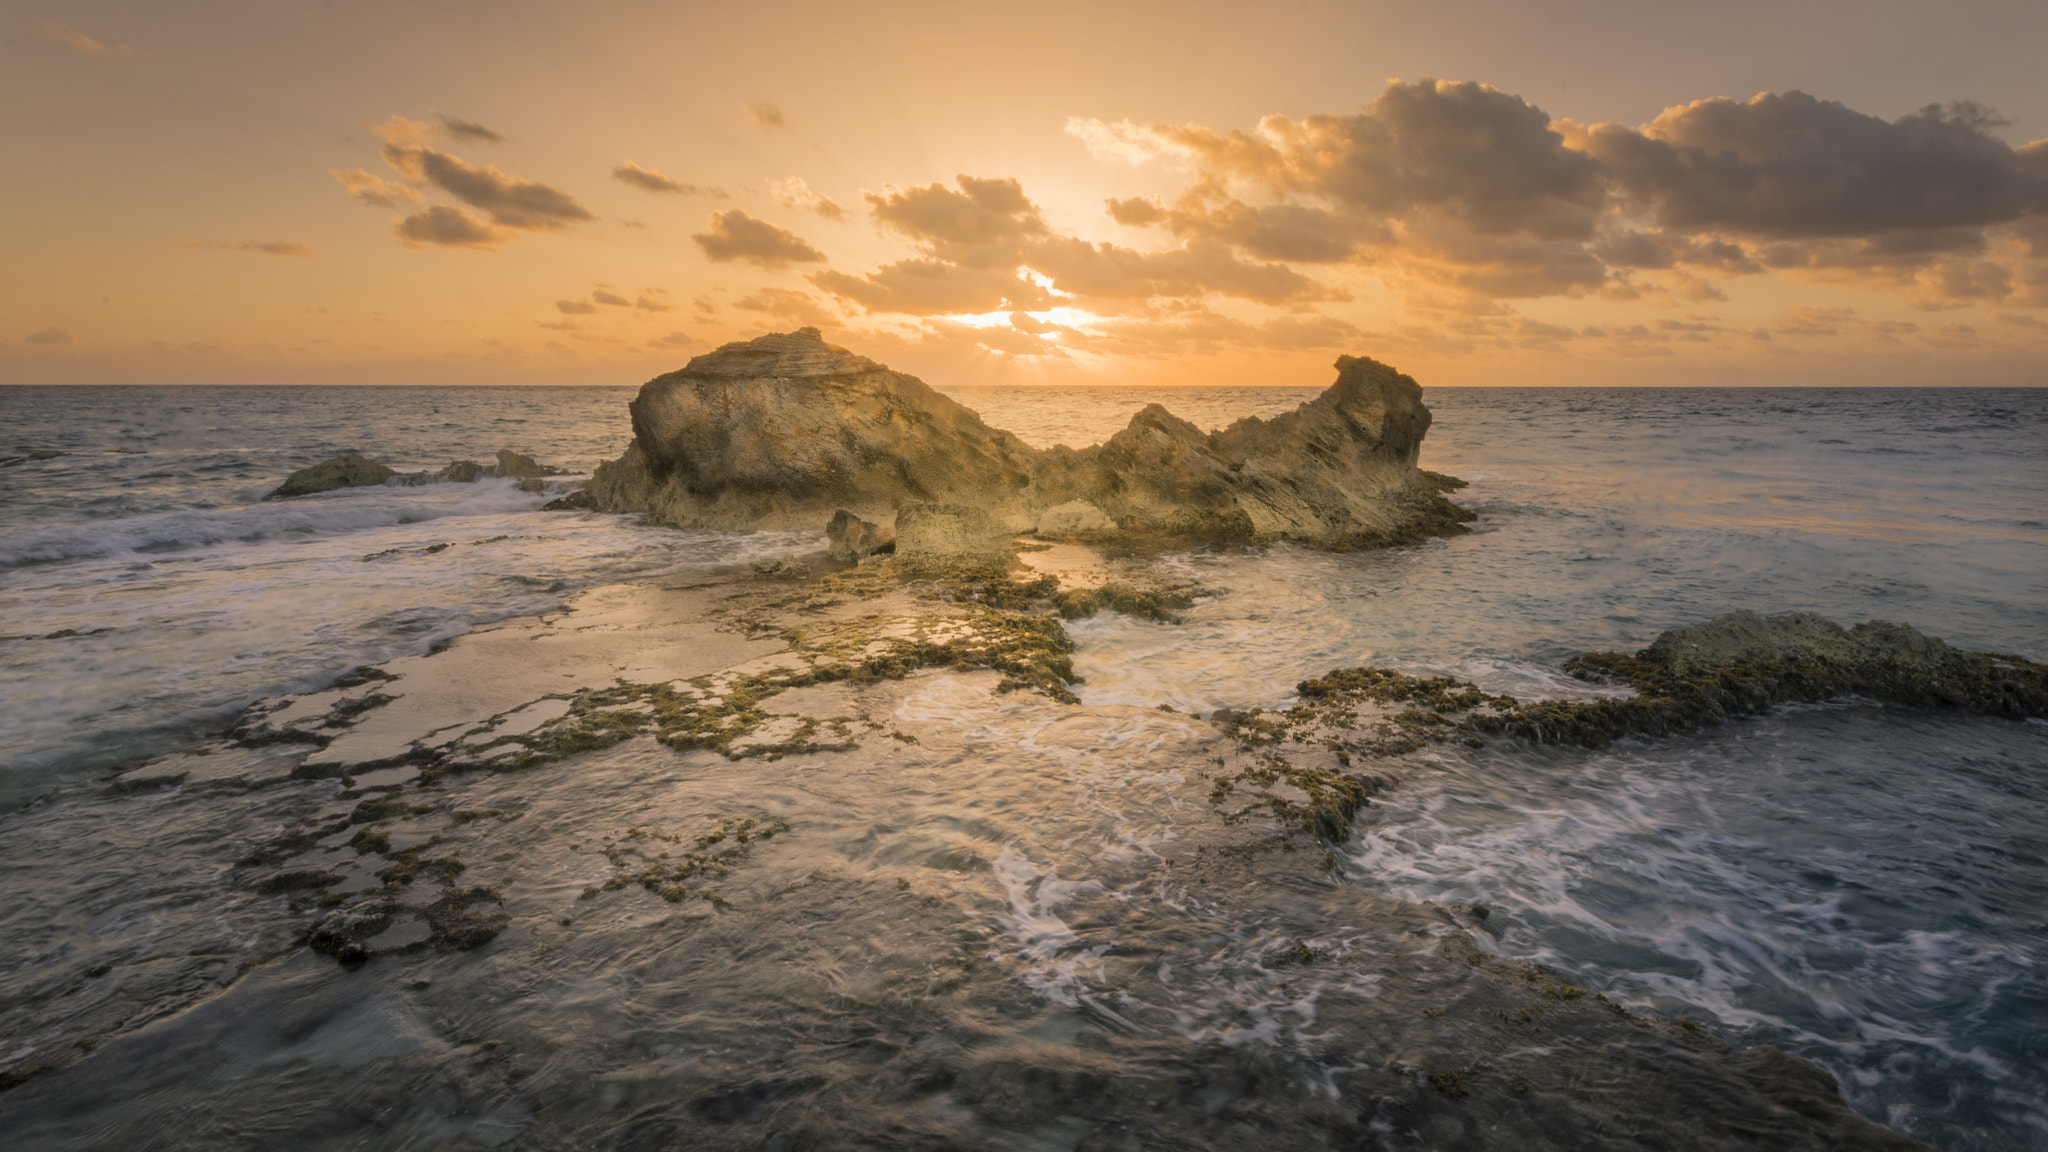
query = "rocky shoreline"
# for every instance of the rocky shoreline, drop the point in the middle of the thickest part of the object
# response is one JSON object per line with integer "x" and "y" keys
{"x": 806, "y": 774}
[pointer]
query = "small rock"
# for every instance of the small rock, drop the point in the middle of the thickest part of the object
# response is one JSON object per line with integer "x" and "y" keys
{"x": 577, "y": 501}
{"x": 853, "y": 538}
{"x": 782, "y": 568}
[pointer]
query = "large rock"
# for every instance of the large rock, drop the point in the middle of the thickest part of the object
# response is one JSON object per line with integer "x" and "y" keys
{"x": 348, "y": 470}
{"x": 785, "y": 430}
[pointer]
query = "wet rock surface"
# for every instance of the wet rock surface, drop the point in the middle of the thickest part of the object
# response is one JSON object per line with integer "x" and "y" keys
{"x": 833, "y": 862}
{"x": 786, "y": 430}
{"x": 348, "y": 470}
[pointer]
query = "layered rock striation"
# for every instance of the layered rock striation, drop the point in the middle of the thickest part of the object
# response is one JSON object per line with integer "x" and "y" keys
{"x": 786, "y": 430}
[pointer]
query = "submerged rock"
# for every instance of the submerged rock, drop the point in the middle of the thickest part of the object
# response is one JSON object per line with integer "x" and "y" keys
{"x": 354, "y": 470}
{"x": 348, "y": 470}
{"x": 785, "y": 430}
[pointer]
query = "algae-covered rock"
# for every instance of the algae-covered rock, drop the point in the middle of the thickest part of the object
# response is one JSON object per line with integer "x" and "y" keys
{"x": 783, "y": 431}
{"x": 946, "y": 530}
{"x": 348, "y": 470}
{"x": 1074, "y": 518}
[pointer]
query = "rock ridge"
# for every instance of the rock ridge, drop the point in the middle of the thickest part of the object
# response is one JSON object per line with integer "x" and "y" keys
{"x": 785, "y": 431}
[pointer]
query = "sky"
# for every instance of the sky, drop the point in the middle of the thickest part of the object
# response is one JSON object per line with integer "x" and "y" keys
{"x": 1187, "y": 193}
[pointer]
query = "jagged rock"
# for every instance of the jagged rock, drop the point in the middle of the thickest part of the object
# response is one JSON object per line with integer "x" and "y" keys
{"x": 577, "y": 501}
{"x": 852, "y": 537}
{"x": 518, "y": 466}
{"x": 1074, "y": 518}
{"x": 781, "y": 431}
{"x": 932, "y": 531}
{"x": 460, "y": 472}
{"x": 348, "y": 470}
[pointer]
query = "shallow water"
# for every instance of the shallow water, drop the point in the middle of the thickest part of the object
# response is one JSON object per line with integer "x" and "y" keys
{"x": 1856, "y": 884}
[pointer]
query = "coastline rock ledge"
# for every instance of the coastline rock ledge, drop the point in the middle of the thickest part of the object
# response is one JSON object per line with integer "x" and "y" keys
{"x": 785, "y": 431}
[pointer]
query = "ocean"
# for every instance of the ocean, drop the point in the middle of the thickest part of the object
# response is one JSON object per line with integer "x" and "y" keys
{"x": 1858, "y": 884}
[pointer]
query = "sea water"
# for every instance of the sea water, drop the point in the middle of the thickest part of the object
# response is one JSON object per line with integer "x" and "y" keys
{"x": 1861, "y": 885}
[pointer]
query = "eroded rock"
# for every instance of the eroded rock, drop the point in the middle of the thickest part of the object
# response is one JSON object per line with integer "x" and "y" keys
{"x": 783, "y": 431}
{"x": 853, "y": 538}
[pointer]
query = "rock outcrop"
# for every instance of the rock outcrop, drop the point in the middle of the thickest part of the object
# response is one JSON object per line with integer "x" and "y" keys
{"x": 786, "y": 430}
{"x": 348, "y": 470}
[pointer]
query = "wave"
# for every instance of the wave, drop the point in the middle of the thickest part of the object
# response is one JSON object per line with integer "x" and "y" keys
{"x": 325, "y": 514}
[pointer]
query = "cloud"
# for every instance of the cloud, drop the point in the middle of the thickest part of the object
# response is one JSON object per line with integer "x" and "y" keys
{"x": 672, "y": 340}
{"x": 1442, "y": 186}
{"x": 792, "y": 192}
{"x": 50, "y": 335}
{"x": 614, "y": 299}
{"x": 985, "y": 224}
{"x": 648, "y": 180}
{"x": 79, "y": 42}
{"x": 448, "y": 226}
{"x": 1136, "y": 211}
{"x": 1470, "y": 152}
{"x": 262, "y": 247}
{"x": 376, "y": 191}
{"x": 987, "y": 247}
{"x": 735, "y": 235}
{"x": 510, "y": 201}
{"x": 932, "y": 288}
{"x": 575, "y": 307}
{"x": 1130, "y": 143}
{"x": 402, "y": 132}
{"x": 1789, "y": 166}
{"x": 788, "y": 304}
{"x": 467, "y": 130}
{"x": 765, "y": 115}
{"x": 647, "y": 303}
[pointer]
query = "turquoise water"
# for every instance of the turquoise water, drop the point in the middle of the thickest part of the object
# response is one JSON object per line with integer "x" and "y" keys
{"x": 1857, "y": 884}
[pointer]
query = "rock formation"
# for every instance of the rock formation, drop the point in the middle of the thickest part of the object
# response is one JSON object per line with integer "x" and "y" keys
{"x": 348, "y": 470}
{"x": 354, "y": 470}
{"x": 786, "y": 430}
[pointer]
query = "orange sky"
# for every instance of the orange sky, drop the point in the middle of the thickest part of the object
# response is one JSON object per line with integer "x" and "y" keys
{"x": 1176, "y": 193}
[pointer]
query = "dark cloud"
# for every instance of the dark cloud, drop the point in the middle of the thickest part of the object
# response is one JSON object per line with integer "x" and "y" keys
{"x": 764, "y": 115}
{"x": 614, "y": 299}
{"x": 1440, "y": 186}
{"x": 449, "y": 226}
{"x": 647, "y": 303}
{"x": 1790, "y": 166}
{"x": 510, "y": 201}
{"x": 467, "y": 130}
{"x": 1201, "y": 267}
{"x": 50, "y": 335}
{"x": 648, "y": 180}
{"x": 575, "y": 307}
{"x": 735, "y": 235}
{"x": 799, "y": 307}
{"x": 1477, "y": 154}
{"x": 672, "y": 340}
